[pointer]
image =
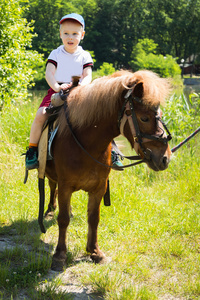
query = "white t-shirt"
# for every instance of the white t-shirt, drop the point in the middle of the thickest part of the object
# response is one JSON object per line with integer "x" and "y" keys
{"x": 67, "y": 64}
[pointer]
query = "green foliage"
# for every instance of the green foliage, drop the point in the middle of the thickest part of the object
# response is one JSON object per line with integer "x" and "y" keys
{"x": 182, "y": 114}
{"x": 16, "y": 62}
{"x": 105, "y": 69}
{"x": 172, "y": 25}
{"x": 40, "y": 82}
{"x": 143, "y": 57}
{"x": 113, "y": 27}
{"x": 146, "y": 46}
{"x": 93, "y": 55}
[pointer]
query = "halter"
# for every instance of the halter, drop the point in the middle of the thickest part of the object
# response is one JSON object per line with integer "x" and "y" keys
{"x": 139, "y": 138}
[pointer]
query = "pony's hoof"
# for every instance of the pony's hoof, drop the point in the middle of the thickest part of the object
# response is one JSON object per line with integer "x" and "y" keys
{"x": 49, "y": 214}
{"x": 58, "y": 265}
{"x": 99, "y": 258}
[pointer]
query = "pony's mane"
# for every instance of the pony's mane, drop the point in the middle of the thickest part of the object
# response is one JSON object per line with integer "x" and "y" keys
{"x": 89, "y": 103}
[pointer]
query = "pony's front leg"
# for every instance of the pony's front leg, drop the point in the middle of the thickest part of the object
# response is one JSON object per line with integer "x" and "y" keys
{"x": 93, "y": 220}
{"x": 59, "y": 258}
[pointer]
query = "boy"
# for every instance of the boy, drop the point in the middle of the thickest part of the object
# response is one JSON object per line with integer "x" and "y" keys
{"x": 64, "y": 62}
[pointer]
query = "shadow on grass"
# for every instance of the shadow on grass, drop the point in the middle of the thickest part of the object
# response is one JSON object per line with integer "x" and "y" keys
{"x": 22, "y": 227}
{"x": 25, "y": 265}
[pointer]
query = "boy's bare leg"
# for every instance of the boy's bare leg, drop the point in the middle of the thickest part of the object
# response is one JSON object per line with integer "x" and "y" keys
{"x": 36, "y": 129}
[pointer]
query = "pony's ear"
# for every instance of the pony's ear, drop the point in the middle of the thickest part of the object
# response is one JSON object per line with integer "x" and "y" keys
{"x": 138, "y": 90}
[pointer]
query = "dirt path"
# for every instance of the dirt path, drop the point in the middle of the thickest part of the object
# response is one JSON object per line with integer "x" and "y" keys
{"x": 70, "y": 278}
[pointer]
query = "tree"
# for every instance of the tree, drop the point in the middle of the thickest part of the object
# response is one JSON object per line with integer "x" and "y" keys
{"x": 114, "y": 31}
{"x": 113, "y": 27}
{"x": 16, "y": 62}
{"x": 173, "y": 25}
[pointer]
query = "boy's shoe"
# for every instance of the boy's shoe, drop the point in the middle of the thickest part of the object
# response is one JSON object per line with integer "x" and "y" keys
{"x": 32, "y": 159}
{"x": 115, "y": 159}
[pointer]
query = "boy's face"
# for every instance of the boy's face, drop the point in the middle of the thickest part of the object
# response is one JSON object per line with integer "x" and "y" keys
{"x": 71, "y": 33}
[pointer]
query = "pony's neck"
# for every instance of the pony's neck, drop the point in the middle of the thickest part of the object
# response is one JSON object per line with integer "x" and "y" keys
{"x": 96, "y": 102}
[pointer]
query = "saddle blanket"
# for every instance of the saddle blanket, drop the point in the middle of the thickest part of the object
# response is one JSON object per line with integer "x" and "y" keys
{"x": 44, "y": 149}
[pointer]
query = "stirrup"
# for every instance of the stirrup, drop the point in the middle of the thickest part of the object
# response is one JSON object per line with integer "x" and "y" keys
{"x": 26, "y": 170}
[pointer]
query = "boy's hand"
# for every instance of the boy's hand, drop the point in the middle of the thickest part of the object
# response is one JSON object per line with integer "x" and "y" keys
{"x": 65, "y": 86}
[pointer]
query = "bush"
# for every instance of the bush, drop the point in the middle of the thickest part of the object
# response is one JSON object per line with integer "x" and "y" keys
{"x": 142, "y": 58}
{"x": 164, "y": 66}
{"x": 105, "y": 69}
{"x": 40, "y": 82}
{"x": 16, "y": 62}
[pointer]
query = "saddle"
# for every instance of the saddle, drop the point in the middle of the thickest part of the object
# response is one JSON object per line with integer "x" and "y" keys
{"x": 50, "y": 129}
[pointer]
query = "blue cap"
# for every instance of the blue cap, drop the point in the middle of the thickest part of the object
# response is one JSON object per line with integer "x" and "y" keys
{"x": 75, "y": 17}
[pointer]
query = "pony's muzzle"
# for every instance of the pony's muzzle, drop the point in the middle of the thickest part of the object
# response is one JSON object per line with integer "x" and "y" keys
{"x": 164, "y": 163}
{"x": 157, "y": 163}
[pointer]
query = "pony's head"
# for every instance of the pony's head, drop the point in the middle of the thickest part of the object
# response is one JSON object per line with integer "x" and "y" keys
{"x": 140, "y": 119}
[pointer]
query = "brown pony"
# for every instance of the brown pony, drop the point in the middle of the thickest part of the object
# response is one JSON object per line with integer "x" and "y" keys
{"x": 126, "y": 102}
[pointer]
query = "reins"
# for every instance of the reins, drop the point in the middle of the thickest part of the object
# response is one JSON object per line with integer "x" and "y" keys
{"x": 81, "y": 146}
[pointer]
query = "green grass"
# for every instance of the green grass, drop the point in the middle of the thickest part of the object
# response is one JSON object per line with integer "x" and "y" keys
{"x": 151, "y": 232}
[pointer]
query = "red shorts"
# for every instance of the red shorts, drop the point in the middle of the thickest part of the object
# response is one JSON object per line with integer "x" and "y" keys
{"x": 47, "y": 99}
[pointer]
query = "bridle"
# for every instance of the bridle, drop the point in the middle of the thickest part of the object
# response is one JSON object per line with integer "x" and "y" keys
{"x": 128, "y": 114}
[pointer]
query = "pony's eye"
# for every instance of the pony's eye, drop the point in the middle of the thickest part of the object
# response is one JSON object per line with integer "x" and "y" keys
{"x": 144, "y": 119}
